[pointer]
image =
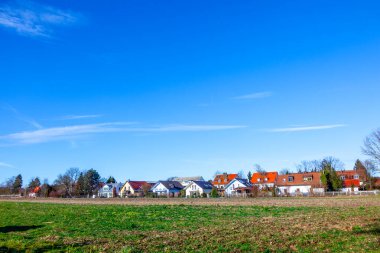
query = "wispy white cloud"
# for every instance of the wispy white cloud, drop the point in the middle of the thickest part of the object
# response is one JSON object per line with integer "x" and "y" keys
{"x": 188, "y": 128}
{"x": 73, "y": 117}
{"x": 6, "y": 165}
{"x": 305, "y": 128}
{"x": 18, "y": 115}
{"x": 32, "y": 19}
{"x": 256, "y": 95}
{"x": 73, "y": 132}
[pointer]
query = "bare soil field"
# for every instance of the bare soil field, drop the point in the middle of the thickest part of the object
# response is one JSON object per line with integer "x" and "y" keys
{"x": 341, "y": 201}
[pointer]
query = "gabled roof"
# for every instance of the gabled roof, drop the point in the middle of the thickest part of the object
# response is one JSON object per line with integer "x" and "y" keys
{"x": 294, "y": 179}
{"x": 171, "y": 184}
{"x": 222, "y": 178}
{"x": 259, "y": 178}
{"x": 136, "y": 185}
{"x": 244, "y": 182}
{"x": 202, "y": 184}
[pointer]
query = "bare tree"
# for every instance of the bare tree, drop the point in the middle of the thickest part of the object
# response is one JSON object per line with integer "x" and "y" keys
{"x": 68, "y": 180}
{"x": 285, "y": 171}
{"x": 309, "y": 166}
{"x": 371, "y": 172}
{"x": 259, "y": 169}
{"x": 372, "y": 146}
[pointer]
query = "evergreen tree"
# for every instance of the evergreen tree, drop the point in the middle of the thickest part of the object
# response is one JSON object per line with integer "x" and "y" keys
{"x": 214, "y": 193}
{"x": 249, "y": 176}
{"x": 111, "y": 180}
{"x": 34, "y": 183}
{"x": 91, "y": 182}
{"x": 80, "y": 185}
{"x": 17, "y": 184}
{"x": 329, "y": 177}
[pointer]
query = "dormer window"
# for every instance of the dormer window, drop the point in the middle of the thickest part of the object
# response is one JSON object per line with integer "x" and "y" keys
{"x": 342, "y": 177}
{"x": 290, "y": 179}
{"x": 283, "y": 180}
{"x": 265, "y": 179}
{"x": 310, "y": 178}
{"x": 258, "y": 180}
{"x": 356, "y": 176}
{"x": 225, "y": 180}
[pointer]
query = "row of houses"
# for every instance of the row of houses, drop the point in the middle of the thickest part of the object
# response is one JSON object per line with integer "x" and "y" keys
{"x": 232, "y": 185}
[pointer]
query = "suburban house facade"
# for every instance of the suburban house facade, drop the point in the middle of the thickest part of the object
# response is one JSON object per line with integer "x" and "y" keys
{"x": 352, "y": 179}
{"x": 299, "y": 184}
{"x": 264, "y": 179}
{"x": 238, "y": 187}
{"x": 135, "y": 188}
{"x": 198, "y": 188}
{"x": 185, "y": 181}
{"x": 222, "y": 180}
{"x": 110, "y": 190}
{"x": 167, "y": 188}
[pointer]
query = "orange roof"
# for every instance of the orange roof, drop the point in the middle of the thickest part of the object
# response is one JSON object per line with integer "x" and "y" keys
{"x": 223, "y": 179}
{"x": 264, "y": 178}
{"x": 36, "y": 189}
{"x": 310, "y": 178}
{"x": 351, "y": 182}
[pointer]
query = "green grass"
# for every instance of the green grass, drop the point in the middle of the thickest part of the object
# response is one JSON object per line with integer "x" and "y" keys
{"x": 37, "y": 227}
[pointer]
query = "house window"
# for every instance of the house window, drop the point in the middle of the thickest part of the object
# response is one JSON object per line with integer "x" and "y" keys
{"x": 258, "y": 180}
{"x": 265, "y": 179}
{"x": 342, "y": 177}
{"x": 290, "y": 179}
{"x": 225, "y": 180}
{"x": 307, "y": 178}
{"x": 283, "y": 180}
{"x": 219, "y": 181}
{"x": 356, "y": 176}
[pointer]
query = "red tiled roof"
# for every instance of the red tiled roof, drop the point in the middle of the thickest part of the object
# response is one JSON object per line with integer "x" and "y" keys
{"x": 351, "y": 182}
{"x": 264, "y": 178}
{"x": 224, "y": 179}
{"x": 136, "y": 184}
{"x": 311, "y": 178}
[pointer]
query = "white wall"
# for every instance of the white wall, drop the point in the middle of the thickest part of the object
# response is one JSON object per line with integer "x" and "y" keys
{"x": 230, "y": 190}
{"x": 194, "y": 188}
{"x": 160, "y": 190}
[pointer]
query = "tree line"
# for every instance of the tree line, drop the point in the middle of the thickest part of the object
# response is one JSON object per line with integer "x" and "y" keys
{"x": 85, "y": 183}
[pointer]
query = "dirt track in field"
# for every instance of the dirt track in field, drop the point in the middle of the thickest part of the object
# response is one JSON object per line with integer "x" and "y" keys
{"x": 351, "y": 201}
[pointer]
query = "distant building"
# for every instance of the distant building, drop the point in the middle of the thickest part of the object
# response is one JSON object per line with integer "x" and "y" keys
{"x": 238, "y": 187}
{"x": 167, "y": 188}
{"x": 264, "y": 179}
{"x": 352, "y": 179}
{"x": 299, "y": 183}
{"x": 110, "y": 190}
{"x": 135, "y": 188}
{"x": 198, "y": 188}
{"x": 222, "y": 180}
{"x": 185, "y": 181}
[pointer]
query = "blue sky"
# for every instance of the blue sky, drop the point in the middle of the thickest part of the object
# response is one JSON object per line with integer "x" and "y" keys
{"x": 153, "y": 89}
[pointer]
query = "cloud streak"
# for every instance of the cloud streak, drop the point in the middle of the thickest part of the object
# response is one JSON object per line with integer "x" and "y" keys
{"x": 22, "y": 117}
{"x": 256, "y": 95}
{"x": 74, "y": 117}
{"x": 6, "y": 165}
{"x": 305, "y": 128}
{"x": 35, "y": 20}
{"x": 76, "y": 131}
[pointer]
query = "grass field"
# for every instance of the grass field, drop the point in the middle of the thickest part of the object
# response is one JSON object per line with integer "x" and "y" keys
{"x": 179, "y": 227}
